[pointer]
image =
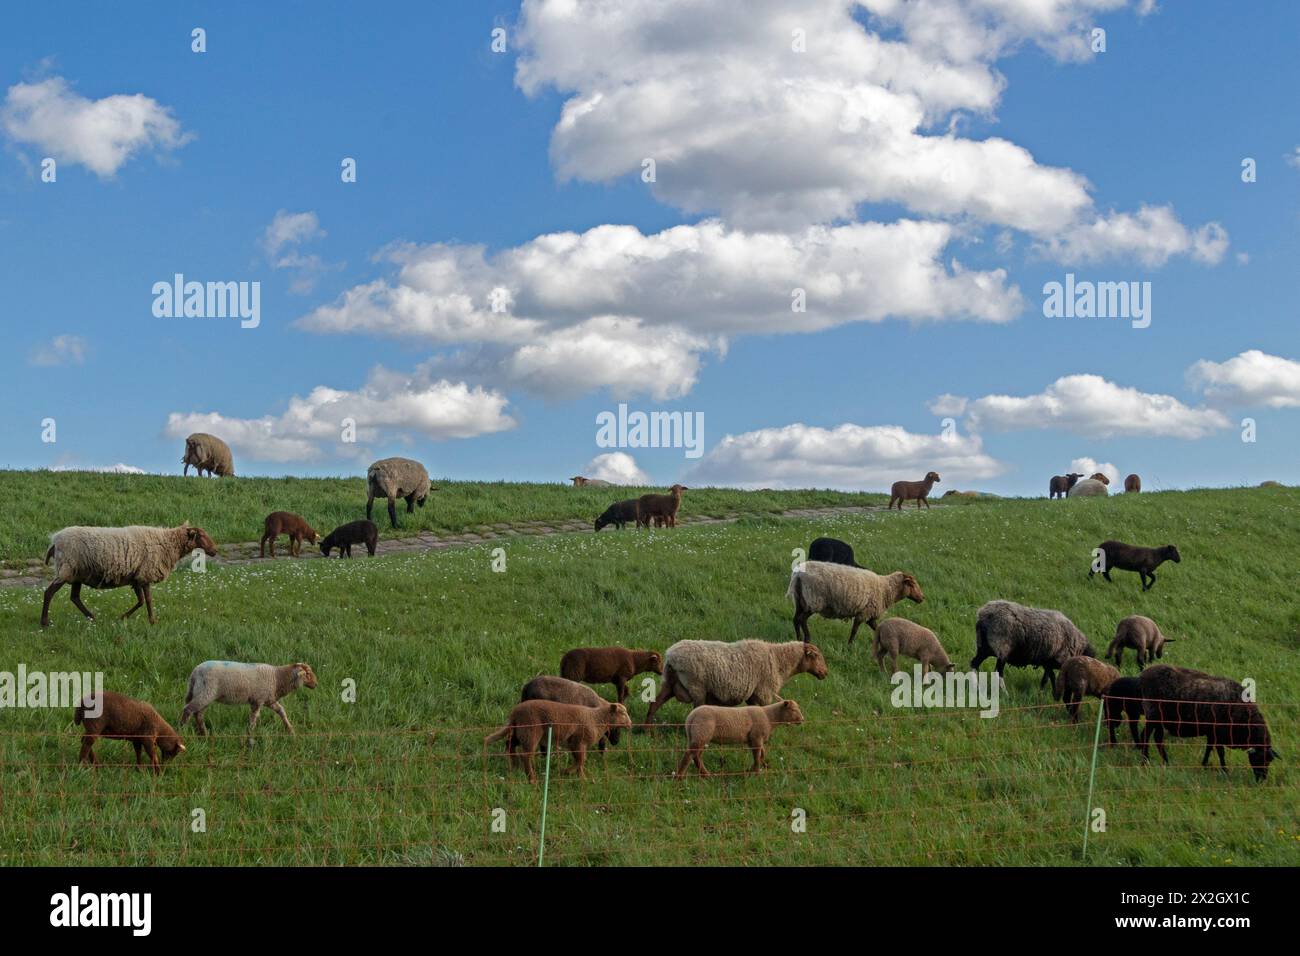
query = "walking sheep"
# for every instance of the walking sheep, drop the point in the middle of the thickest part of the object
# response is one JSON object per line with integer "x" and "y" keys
{"x": 394, "y": 478}
{"x": 745, "y": 672}
{"x": 1133, "y": 484}
{"x": 257, "y": 685}
{"x": 1027, "y": 637}
{"x": 286, "y": 522}
{"x": 661, "y": 506}
{"x": 1140, "y": 633}
{"x": 125, "y": 718}
{"x": 832, "y": 551}
{"x": 918, "y": 491}
{"x": 898, "y": 635}
{"x": 208, "y": 453}
{"x": 1123, "y": 702}
{"x": 564, "y": 691}
{"x": 1083, "y": 676}
{"x": 751, "y": 726}
{"x": 1060, "y": 485}
{"x": 1118, "y": 556}
{"x": 609, "y": 665}
{"x": 1189, "y": 703}
{"x": 839, "y": 592}
{"x": 572, "y": 726}
{"x": 104, "y": 558}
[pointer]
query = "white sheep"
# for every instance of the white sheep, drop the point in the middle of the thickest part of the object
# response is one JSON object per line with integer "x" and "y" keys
{"x": 839, "y": 591}
{"x": 1089, "y": 488}
{"x": 115, "y": 557}
{"x": 230, "y": 682}
{"x": 898, "y": 635}
{"x": 394, "y": 478}
{"x": 743, "y": 672}
{"x": 208, "y": 453}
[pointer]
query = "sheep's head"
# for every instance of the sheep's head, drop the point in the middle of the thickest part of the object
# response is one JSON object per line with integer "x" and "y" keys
{"x": 932, "y": 476}
{"x": 198, "y": 538}
{"x": 325, "y": 546}
{"x": 170, "y": 745}
{"x": 790, "y": 712}
{"x": 1170, "y": 553}
{"x": 1071, "y": 478}
{"x": 600, "y": 523}
{"x": 619, "y": 718}
{"x": 652, "y": 661}
{"x": 1260, "y": 758}
{"x": 312, "y": 535}
{"x": 813, "y": 662}
{"x": 678, "y": 489}
{"x": 912, "y": 589}
{"x": 578, "y": 481}
{"x": 303, "y": 676}
{"x": 1098, "y": 476}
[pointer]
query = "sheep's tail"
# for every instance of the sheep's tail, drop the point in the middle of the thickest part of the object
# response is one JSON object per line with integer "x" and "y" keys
{"x": 49, "y": 554}
{"x": 498, "y": 735}
{"x": 189, "y": 690}
{"x": 795, "y": 591}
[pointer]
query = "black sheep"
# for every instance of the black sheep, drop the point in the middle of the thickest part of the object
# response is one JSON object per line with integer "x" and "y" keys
{"x": 1118, "y": 556}
{"x": 833, "y": 550}
{"x": 346, "y": 535}
{"x": 1189, "y": 703}
{"x": 618, "y": 514}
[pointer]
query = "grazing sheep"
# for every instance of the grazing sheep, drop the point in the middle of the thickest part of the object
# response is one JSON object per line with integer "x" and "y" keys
{"x": 898, "y": 635}
{"x": 1118, "y": 556}
{"x": 661, "y": 506}
{"x": 917, "y": 491}
{"x": 751, "y": 726}
{"x": 609, "y": 665}
{"x": 745, "y": 672}
{"x": 394, "y": 478}
{"x": 1088, "y": 488}
{"x": 125, "y": 718}
{"x": 581, "y": 482}
{"x": 573, "y": 727}
{"x": 1133, "y": 484}
{"x": 286, "y": 522}
{"x": 563, "y": 691}
{"x": 620, "y": 513}
{"x": 208, "y": 453}
{"x": 838, "y": 591}
{"x": 832, "y": 551}
{"x": 1140, "y": 633}
{"x": 1123, "y": 702}
{"x": 1189, "y": 703}
{"x": 1027, "y": 637}
{"x": 257, "y": 685}
{"x": 105, "y": 558}
{"x": 1060, "y": 485}
{"x": 1081, "y": 676}
{"x": 346, "y": 535}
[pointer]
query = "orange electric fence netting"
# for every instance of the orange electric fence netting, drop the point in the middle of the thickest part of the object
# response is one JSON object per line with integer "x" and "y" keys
{"x": 900, "y": 787}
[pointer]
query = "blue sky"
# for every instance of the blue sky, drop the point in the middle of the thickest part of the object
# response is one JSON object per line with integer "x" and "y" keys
{"x": 776, "y": 169}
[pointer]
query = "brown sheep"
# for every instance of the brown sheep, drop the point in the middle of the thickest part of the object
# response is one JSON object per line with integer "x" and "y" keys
{"x": 1133, "y": 484}
{"x": 898, "y": 635}
{"x": 663, "y": 507}
{"x": 573, "y": 726}
{"x": 125, "y": 718}
{"x": 609, "y": 665}
{"x": 564, "y": 691}
{"x": 1098, "y": 476}
{"x": 286, "y": 522}
{"x": 917, "y": 491}
{"x": 751, "y": 726}
{"x": 1140, "y": 633}
{"x": 1083, "y": 675}
{"x": 1060, "y": 485}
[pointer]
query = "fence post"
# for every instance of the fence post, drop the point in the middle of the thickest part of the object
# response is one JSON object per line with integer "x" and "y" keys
{"x": 1092, "y": 776}
{"x": 546, "y": 789}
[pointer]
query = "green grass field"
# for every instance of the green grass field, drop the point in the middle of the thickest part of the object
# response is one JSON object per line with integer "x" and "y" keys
{"x": 438, "y": 644}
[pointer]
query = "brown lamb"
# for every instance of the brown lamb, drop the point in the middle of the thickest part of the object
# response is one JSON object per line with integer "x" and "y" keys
{"x": 564, "y": 691}
{"x": 573, "y": 728}
{"x": 286, "y": 522}
{"x": 751, "y": 726}
{"x": 1080, "y": 676}
{"x": 609, "y": 665}
{"x": 1133, "y": 484}
{"x": 661, "y": 507}
{"x": 918, "y": 491}
{"x": 125, "y": 718}
{"x": 1143, "y": 635}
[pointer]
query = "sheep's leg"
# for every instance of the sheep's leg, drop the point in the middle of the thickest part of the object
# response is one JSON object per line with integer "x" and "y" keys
{"x": 139, "y": 601}
{"x": 392, "y": 510}
{"x": 148, "y": 604}
{"x": 1049, "y": 677}
{"x": 580, "y": 759}
{"x": 87, "y": 750}
{"x": 1133, "y": 726}
{"x": 1152, "y": 576}
{"x": 853, "y": 631}
{"x": 370, "y": 505}
{"x": 200, "y": 724}
{"x": 757, "y": 751}
{"x": 681, "y": 764}
{"x": 45, "y": 608}
{"x": 1160, "y": 744}
{"x": 699, "y": 761}
{"x": 665, "y": 692}
{"x": 1205, "y": 760}
{"x": 261, "y": 551}
{"x": 252, "y": 720}
{"x": 410, "y": 503}
{"x": 153, "y": 757}
{"x": 621, "y": 684}
{"x": 1223, "y": 764}
{"x": 76, "y": 600}
{"x": 1106, "y": 574}
{"x": 527, "y": 758}
{"x": 278, "y": 707}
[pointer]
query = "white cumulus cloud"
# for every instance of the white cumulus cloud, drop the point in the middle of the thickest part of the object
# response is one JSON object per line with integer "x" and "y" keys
{"x": 616, "y": 467}
{"x": 1251, "y": 378}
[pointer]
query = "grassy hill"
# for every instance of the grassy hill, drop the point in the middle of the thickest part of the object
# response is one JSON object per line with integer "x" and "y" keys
{"x": 438, "y": 644}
